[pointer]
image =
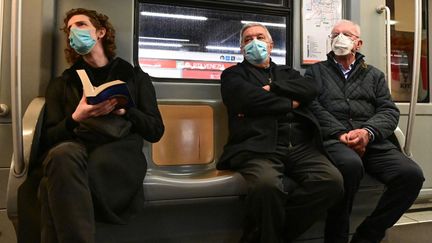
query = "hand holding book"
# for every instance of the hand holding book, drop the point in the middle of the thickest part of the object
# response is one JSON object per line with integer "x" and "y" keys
{"x": 116, "y": 89}
{"x": 85, "y": 111}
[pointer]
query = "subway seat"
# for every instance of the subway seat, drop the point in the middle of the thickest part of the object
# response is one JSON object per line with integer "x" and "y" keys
{"x": 160, "y": 185}
{"x": 182, "y": 164}
{"x": 186, "y": 197}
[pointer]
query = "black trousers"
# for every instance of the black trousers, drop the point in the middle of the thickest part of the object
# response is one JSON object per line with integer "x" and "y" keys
{"x": 82, "y": 184}
{"x": 67, "y": 213}
{"x": 288, "y": 191}
{"x": 402, "y": 177}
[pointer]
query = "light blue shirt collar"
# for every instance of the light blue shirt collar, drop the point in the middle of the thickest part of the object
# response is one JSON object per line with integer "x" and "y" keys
{"x": 345, "y": 71}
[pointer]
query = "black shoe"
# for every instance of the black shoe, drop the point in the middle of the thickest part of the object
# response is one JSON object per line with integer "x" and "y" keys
{"x": 357, "y": 239}
{"x": 251, "y": 235}
{"x": 345, "y": 240}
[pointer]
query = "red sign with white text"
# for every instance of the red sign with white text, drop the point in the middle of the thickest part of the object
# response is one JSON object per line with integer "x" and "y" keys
{"x": 188, "y": 68}
{"x": 201, "y": 74}
{"x": 220, "y": 66}
{"x": 157, "y": 63}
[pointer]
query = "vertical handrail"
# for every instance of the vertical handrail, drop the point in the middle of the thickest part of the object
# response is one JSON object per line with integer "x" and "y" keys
{"x": 18, "y": 158}
{"x": 415, "y": 76}
{"x": 381, "y": 9}
{"x": 1, "y": 33}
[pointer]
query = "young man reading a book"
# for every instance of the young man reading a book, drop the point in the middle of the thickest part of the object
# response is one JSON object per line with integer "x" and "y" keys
{"x": 93, "y": 174}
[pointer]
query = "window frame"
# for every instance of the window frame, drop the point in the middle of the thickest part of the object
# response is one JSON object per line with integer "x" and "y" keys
{"x": 285, "y": 11}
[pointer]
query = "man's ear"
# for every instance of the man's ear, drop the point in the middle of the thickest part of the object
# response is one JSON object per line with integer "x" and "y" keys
{"x": 101, "y": 33}
{"x": 359, "y": 44}
{"x": 270, "y": 47}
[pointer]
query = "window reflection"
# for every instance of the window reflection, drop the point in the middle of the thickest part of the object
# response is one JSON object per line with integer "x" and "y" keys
{"x": 272, "y": 2}
{"x": 402, "y": 38}
{"x": 183, "y": 42}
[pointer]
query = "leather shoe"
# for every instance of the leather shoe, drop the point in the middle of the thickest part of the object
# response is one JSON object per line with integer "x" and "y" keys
{"x": 357, "y": 239}
{"x": 250, "y": 235}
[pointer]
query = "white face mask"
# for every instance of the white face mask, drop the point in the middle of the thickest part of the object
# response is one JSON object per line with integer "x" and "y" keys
{"x": 342, "y": 45}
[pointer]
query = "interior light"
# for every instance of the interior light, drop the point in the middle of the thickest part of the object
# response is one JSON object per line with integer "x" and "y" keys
{"x": 163, "y": 39}
{"x": 176, "y": 16}
{"x": 264, "y": 23}
{"x": 279, "y": 51}
{"x": 159, "y": 44}
{"x": 224, "y": 48}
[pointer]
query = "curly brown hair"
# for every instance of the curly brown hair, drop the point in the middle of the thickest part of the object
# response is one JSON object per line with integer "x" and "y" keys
{"x": 99, "y": 21}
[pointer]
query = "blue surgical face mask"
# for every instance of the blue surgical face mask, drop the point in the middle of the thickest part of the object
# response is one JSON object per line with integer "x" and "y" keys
{"x": 81, "y": 40}
{"x": 256, "y": 51}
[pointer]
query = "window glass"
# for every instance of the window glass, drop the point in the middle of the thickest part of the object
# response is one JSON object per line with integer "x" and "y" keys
{"x": 272, "y": 2}
{"x": 402, "y": 49}
{"x": 195, "y": 43}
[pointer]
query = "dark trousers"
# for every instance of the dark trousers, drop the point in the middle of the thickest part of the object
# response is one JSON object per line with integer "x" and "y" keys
{"x": 67, "y": 214}
{"x": 402, "y": 177}
{"x": 288, "y": 191}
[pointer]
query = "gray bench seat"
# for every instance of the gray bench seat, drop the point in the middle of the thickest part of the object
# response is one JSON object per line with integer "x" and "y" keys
{"x": 187, "y": 199}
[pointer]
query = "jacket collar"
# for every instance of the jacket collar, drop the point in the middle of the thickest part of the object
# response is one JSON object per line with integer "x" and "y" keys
{"x": 359, "y": 63}
{"x": 257, "y": 71}
{"x": 359, "y": 58}
{"x": 120, "y": 69}
{"x": 272, "y": 65}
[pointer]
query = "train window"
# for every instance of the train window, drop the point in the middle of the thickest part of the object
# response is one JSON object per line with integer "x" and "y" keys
{"x": 402, "y": 38}
{"x": 268, "y": 2}
{"x": 197, "y": 43}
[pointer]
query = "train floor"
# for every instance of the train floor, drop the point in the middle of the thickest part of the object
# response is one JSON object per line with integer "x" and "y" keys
{"x": 414, "y": 227}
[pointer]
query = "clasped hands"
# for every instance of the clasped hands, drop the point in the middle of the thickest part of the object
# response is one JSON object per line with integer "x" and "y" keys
{"x": 85, "y": 110}
{"x": 356, "y": 139}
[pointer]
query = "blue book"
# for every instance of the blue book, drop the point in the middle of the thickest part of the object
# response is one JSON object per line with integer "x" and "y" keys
{"x": 116, "y": 89}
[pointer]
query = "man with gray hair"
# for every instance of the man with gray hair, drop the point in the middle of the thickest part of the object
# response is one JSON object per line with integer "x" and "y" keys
{"x": 357, "y": 118}
{"x": 274, "y": 143}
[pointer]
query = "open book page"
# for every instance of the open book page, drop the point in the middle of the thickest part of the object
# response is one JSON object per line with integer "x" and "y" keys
{"x": 114, "y": 89}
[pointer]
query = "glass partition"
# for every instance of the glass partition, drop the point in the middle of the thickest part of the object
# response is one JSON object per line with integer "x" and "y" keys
{"x": 402, "y": 38}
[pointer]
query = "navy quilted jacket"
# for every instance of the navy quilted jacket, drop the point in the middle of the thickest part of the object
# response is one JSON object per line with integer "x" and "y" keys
{"x": 362, "y": 100}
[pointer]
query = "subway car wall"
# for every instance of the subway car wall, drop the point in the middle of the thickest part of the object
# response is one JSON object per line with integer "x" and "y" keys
{"x": 190, "y": 77}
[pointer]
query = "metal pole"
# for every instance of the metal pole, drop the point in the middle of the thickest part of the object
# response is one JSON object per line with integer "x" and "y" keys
{"x": 1, "y": 32}
{"x": 18, "y": 161}
{"x": 380, "y": 10}
{"x": 415, "y": 76}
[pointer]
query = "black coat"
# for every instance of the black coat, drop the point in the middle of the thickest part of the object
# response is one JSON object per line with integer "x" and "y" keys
{"x": 116, "y": 169}
{"x": 64, "y": 93}
{"x": 118, "y": 191}
{"x": 362, "y": 100}
{"x": 253, "y": 112}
